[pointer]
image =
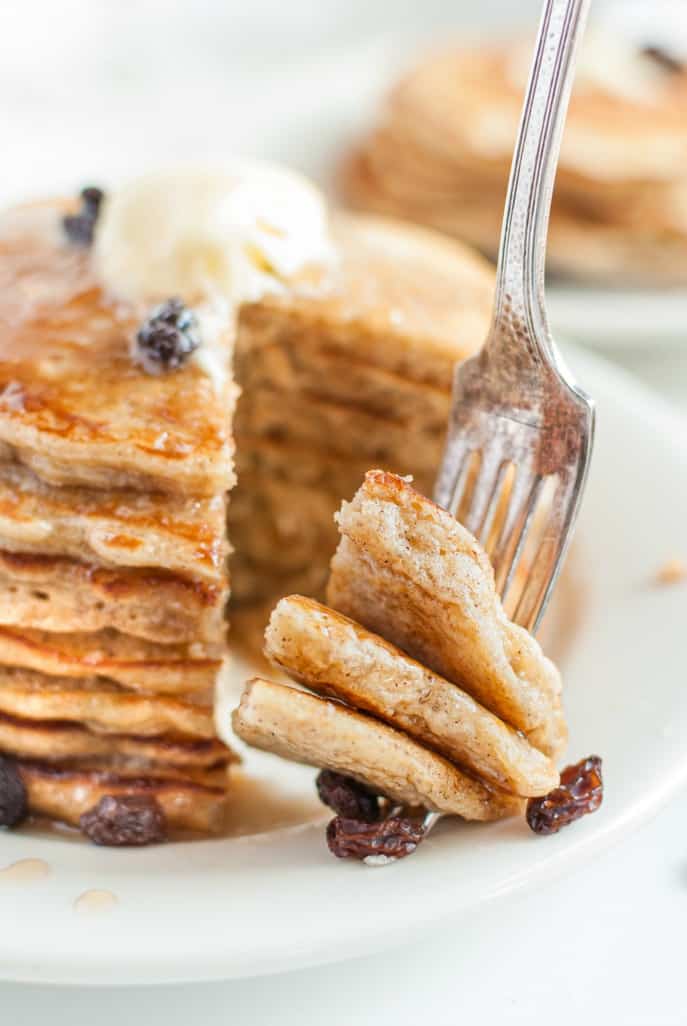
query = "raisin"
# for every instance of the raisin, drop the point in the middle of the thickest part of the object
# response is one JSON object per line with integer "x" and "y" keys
{"x": 14, "y": 804}
{"x": 393, "y": 838}
{"x": 668, "y": 61}
{"x": 125, "y": 820}
{"x": 580, "y": 792}
{"x": 80, "y": 227}
{"x": 167, "y": 338}
{"x": 347, "y": 797}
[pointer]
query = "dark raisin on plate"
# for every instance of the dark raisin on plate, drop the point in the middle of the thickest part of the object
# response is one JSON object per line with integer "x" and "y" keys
{"x": 579, "y": 793}
{"x": 668, "y": 61}
{"x": 347, "y": 797}
{"x": 125, "y": 820}
{"x": 167, "y": 337}
{"x": 80, "y": 227}
{"x": 14, "y": 805}
{"x": 391, "y": 838}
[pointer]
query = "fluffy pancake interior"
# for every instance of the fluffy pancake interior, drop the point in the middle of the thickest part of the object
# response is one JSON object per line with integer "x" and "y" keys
{"x": 304, "y": 728}
{"x": 409, "y": 571}
{"x": 334, "y": 656}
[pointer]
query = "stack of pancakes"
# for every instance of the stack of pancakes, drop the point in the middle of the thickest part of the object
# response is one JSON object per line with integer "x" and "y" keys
{"x": 441, "y": 150}
{"x": 113, "y": 547}
{"x": 114, "y": 484}
{"x": 439, "y": 700}
{"x": 336, "y": 382}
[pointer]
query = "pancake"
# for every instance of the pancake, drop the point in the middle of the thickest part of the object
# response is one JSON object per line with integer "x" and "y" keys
{"x": 442, "y": 146}
{"x": 99, "y": 705}
{"x": 270, "y": 516}
{"x": 55, "y": 594}
{"x": 345, "y": 426}
{"x": 338, "y": 658}
{"x": 307, "y": 729}
{"x": 62, "y": 741}
{"x": 335, "y": 381}
{"x": 73, "y": 405}
{"x": 284, "y": 461}
{"x": 407, "y": 570}
{"x": 64, "y": 794}
{"x": 137, "y": 664}
{"x": 182, "y": 534}
{"x": 402, "y": 299}
{"x": 337, "y": 376}
{"x": 257, "y": 584}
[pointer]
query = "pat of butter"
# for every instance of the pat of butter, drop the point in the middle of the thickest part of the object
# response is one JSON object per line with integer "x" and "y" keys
{"x": 215, "y": 238}
{"x": 235, "y": 232}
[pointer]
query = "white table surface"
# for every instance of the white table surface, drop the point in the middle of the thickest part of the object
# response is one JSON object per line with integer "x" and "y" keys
{"x": 603, "y": 946}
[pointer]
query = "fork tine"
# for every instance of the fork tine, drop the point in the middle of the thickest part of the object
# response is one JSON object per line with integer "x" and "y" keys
{"x": 547, "y": 560}
{"x": 530, "y": 601}
{"x": 486, "y": 492}
{"x": 449, "y": 488}
{"x": 508, "y": 546}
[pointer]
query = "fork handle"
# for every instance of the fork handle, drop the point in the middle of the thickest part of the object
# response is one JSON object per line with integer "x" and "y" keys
{"x": 520, "y": 276}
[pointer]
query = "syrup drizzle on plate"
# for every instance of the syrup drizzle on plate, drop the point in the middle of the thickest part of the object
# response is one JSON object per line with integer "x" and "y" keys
{"x": 95, "y": 902}
{"x": 25, "y": 871}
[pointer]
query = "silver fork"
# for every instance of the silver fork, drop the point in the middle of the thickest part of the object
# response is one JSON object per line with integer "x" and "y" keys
{"x": 521, "y": 431}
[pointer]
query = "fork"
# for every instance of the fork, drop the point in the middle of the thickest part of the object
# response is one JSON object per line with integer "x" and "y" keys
{"x": 520, "y": 430}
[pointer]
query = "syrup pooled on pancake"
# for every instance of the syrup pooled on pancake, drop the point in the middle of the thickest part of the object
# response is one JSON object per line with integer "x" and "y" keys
{"x": 73, "y": 404}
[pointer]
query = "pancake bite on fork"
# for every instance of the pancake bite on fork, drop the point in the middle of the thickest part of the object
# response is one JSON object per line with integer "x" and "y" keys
{"x": 421, "y": 690}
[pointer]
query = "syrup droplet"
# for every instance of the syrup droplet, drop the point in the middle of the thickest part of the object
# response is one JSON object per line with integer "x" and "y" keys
{"x": 94, "y": 902}
{"x": 25, "y": 871}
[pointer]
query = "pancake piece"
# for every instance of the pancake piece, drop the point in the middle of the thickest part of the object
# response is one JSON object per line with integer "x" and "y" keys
{"x": 335, "y": 657}
{"x": 336, "y": 380}
{"x": 439, "y": 701}
{"x": 189, "y": 801}
{"x": 55, "y": 594}
{"x": 303, "y": 728}
{"x": 140, "y": 665}
{"x": 101, "y": 706}
{"x": 184, "y": 534}
{"x": 410, "y": 572}
{"x": 76, "y": 408}
{"x": 441, "y": 149}
{"x": 58, "y": 741}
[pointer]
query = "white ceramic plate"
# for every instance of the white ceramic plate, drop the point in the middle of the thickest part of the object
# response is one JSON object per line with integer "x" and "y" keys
{"x": 275, "y": 901}
{"x": 620, "y": 320}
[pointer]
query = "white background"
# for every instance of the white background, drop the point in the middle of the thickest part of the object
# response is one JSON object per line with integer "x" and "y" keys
{"x": 90, "y": 91}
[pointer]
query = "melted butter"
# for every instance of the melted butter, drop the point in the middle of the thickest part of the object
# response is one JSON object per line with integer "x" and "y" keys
{"x": 25, "y": 871}
{"x": 95, "y": 902}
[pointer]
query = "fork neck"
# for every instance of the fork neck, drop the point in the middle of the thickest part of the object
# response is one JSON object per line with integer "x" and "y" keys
{"x": 520, "y": 305}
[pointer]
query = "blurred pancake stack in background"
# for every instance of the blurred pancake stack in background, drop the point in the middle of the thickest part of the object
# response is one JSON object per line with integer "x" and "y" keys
{"x": 441, "y": 148}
